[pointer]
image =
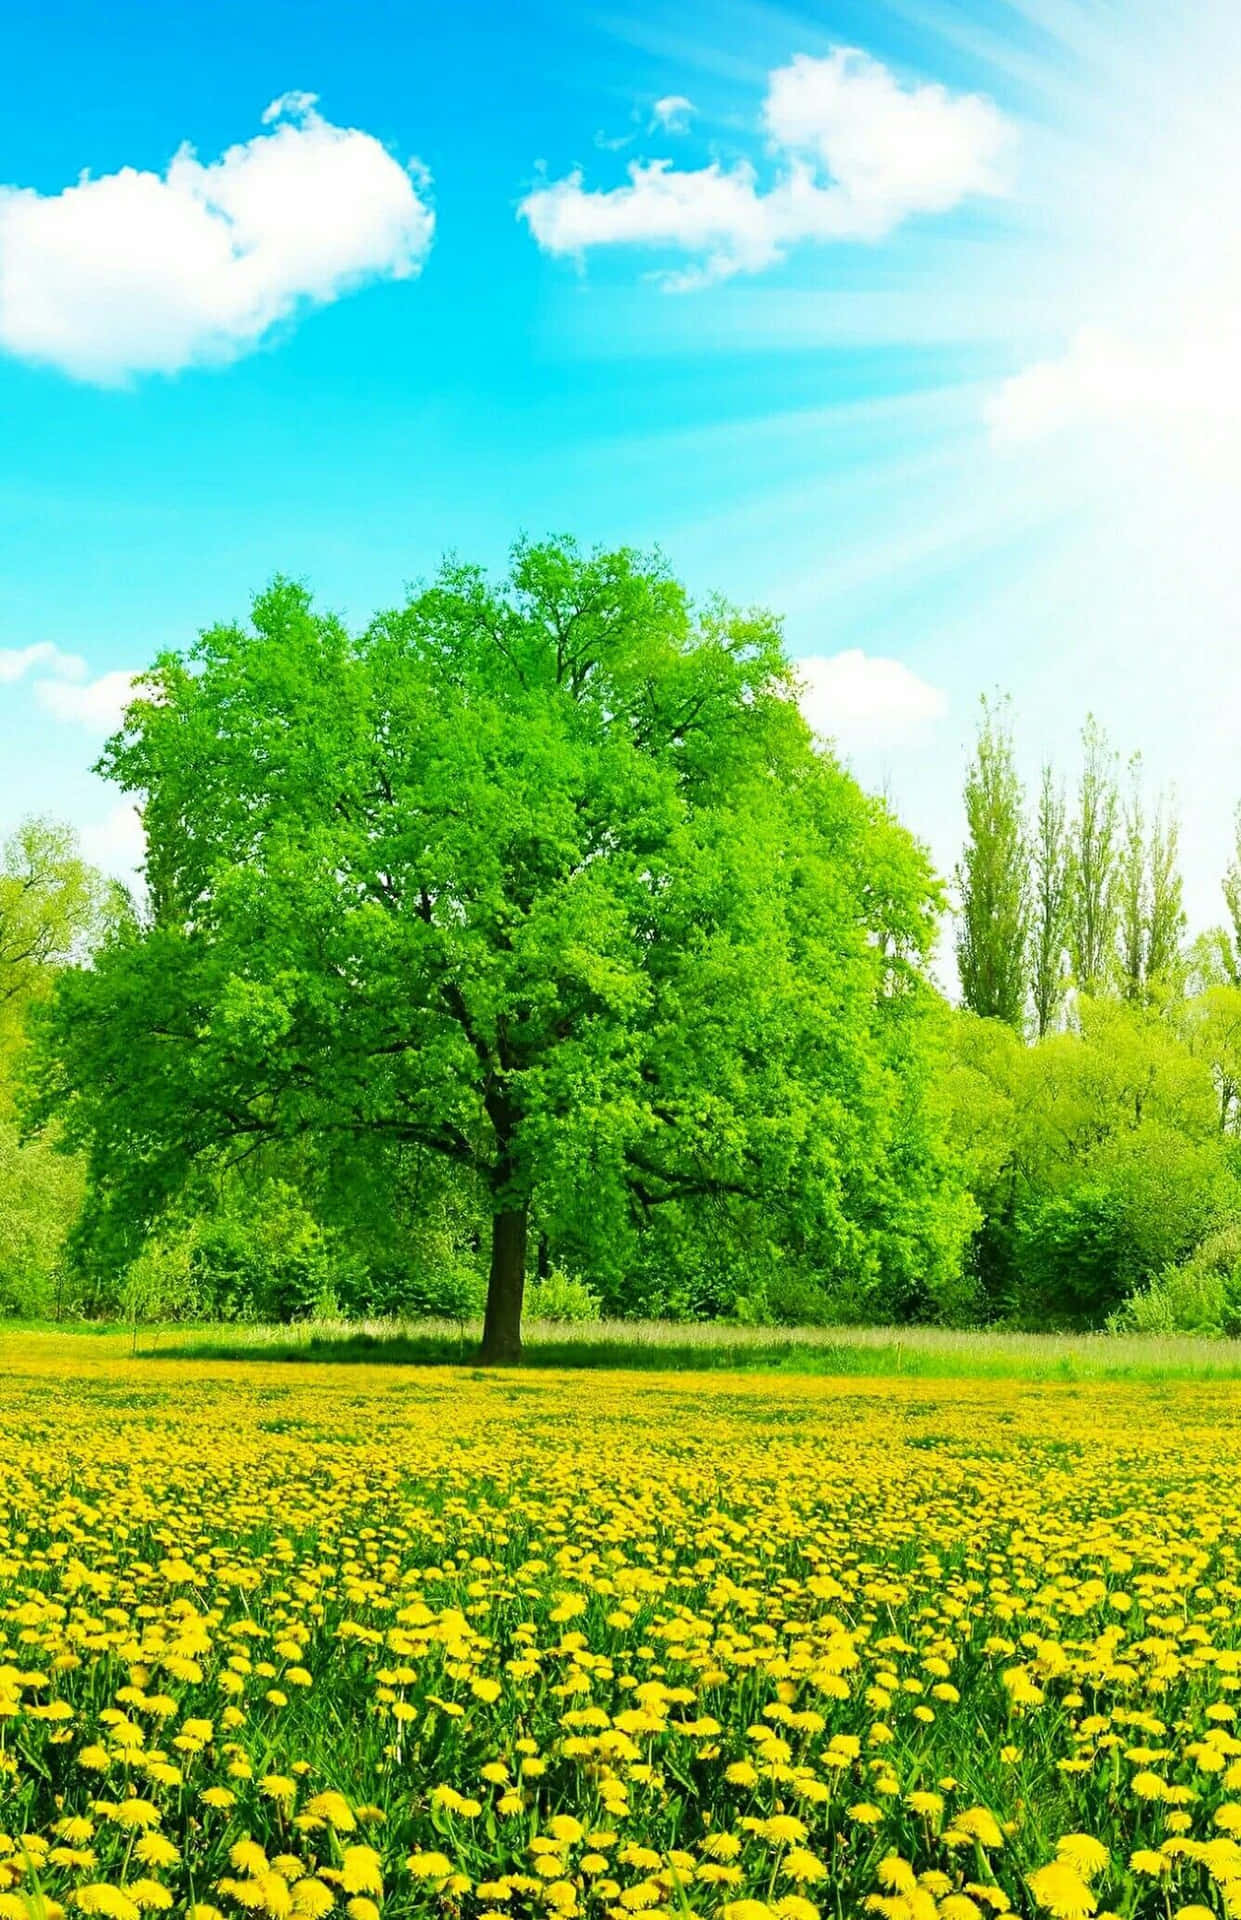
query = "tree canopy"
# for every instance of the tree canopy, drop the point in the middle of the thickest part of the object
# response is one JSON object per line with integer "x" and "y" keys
{"x": 545, "y": 881}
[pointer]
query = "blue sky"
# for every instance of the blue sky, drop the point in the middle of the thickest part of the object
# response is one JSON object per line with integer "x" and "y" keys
{"x": 924, "y": 332}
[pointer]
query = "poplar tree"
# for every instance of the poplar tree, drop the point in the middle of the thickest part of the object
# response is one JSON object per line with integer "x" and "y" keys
{"x": 993, "y": 884}
{"x": 1133, "y": 890}
{"x": 1049, "y": 907}
{"x": 1095, "y": 863}
{"x": 1167, "y": 922}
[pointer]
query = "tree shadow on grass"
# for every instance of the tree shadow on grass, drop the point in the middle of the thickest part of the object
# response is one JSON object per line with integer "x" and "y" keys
{"x": 445, "y": 1350}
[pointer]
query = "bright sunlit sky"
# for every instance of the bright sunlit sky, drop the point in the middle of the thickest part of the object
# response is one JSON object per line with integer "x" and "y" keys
{"x": 918, "y": 322}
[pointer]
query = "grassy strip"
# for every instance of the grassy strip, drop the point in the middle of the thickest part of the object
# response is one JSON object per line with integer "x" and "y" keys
{"x": 918, "y": 1352}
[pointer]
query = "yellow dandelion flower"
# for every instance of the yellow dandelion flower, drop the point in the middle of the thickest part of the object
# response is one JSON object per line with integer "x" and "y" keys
{"x": 156, "y": 1850}
{"x": 1086, "y": 1855}
{"x": 151, "y": 1896}
{"x": 981, "y": 1825}
{"x": 105, "y": 1900}
{"x": 794, "y": 1906}
{"x": 429, "y": 1866}
{"x": 1146, "y": 1860}
{"x": 135, "y": 1813}
{"x": 333, "y": 1808}
{"x": 1058, "y": 1890}
{"x": 309, "y": 1899}
{"x": 361, "y": 1871}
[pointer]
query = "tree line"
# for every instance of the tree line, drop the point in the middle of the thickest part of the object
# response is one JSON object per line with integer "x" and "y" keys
{"x": 1055, "y": 896}
{"x": 526, "y": 947}
{"x": 1095, "y": 1071}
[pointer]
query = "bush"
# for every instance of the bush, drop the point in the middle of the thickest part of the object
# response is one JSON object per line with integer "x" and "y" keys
{"x": 445, "y": 1288}
{"x": 786, "y": 1299}
{"x": 1202, "y": 1295}
{"x": 560, "y": 1297}
{"x": 1072, "y": 1255}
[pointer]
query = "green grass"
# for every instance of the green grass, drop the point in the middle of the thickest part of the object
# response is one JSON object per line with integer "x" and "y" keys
{"x": 663, "y": 1346}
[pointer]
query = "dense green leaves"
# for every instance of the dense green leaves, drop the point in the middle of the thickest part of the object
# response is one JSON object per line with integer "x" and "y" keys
{"x": 529, "y": 932}
{"x": 53, "y": 908}
{"x": 1097, "y": 1155}
{"x": 547, "y": 881}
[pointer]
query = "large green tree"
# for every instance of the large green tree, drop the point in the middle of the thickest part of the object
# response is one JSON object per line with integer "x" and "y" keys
{"x": 547, "y": 880}
{"x": 993, "y": 878}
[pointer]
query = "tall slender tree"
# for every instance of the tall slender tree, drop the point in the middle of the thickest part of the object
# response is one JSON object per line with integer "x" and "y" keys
{"x": 1133, "y": 889}
{"x": 993, "y": 884}
{"x": 1166, "y": 924}
{"x": 1094, "y": 863}
{"x": 1049, "y": 906}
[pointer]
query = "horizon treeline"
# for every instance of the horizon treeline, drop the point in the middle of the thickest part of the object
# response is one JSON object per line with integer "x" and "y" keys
{"x": 525, "y": 948}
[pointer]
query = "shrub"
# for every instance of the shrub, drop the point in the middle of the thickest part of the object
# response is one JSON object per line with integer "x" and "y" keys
{"x": 560, "y": 1297}
{"x": 1201, "y": 1295}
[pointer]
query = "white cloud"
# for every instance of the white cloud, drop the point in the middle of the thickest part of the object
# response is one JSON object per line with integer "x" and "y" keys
{"x": 96, "y": 704}
{"x": 1104, "y": 380}
{"x": 857, "y": 153}
{"x": 116, "y": 843}
{"x": 138, "y": 272}
{"x": 865, "y": 703}
{"x": 15, "y": 662}
{"x": 673, "y": 112}
{"x": 891, "y": 150}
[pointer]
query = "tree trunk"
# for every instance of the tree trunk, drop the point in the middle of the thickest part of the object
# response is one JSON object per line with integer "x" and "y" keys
{"x": 502, "y": 1326}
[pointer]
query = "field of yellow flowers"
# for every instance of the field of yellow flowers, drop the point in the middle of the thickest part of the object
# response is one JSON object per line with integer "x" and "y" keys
{"x": 298, "y": 1640}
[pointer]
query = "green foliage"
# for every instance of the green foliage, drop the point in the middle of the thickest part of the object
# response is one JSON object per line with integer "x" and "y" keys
{"x": 1149, "y": 895}
{"x": 993, "y": 882}
{"x": 41, "y": 1195}
{"x": 1071, "y": 1254}
{"x": 562, "y": 1297}
{"x": 1096, "y": 1155}
{"x": 1166, "y": 923}
{"x": 1200, "y": 1295}
{"x": 1211, "y": 1026}
{"x": 534, "y": 917}
{"x": 266, "y": 1259}
{"x": 53, "y": 909}
{"x": 546, "y": 882}
{"x": 1094, "y": 864}
{"x": 253, "y": 1251}
{"x": 1049, "y": 903}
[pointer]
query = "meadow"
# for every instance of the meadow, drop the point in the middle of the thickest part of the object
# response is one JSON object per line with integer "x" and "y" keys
{"x": 320, "y": 1639}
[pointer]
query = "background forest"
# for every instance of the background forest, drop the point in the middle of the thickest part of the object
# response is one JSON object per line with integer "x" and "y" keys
{"x": 531, "y": 935}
